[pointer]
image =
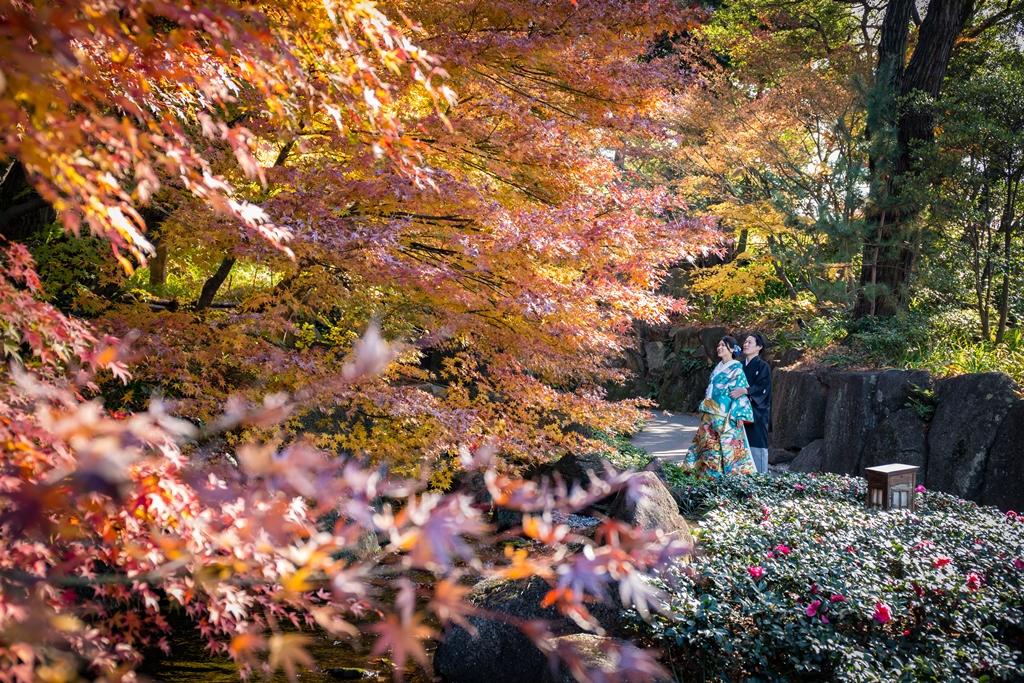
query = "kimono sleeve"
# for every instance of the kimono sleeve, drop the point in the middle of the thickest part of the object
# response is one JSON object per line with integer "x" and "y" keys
{"x": 740, "y": 410}
{"x": 760, "y": 387}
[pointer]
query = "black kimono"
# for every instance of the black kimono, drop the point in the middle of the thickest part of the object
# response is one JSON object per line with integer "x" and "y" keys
{"x": 759, "y": 377}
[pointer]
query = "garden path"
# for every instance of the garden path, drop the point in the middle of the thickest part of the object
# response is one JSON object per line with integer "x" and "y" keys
{"x": 666, "y": 436}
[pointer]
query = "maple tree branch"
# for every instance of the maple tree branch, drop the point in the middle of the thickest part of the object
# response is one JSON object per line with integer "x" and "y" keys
{"x": 18, "y": 210}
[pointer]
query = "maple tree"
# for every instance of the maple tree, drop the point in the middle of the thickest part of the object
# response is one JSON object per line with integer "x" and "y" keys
{"x": 473, "y": 211}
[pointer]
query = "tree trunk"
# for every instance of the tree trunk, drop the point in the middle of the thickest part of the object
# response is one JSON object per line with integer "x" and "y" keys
{"x": 213, "y": 284}
{"x": 889, "y": 253}
{"x": 158, "y": 266}
{"x": 1007, "y": 225}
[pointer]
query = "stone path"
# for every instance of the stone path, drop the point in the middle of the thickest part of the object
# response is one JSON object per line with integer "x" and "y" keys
{"x": 667, "y": 436}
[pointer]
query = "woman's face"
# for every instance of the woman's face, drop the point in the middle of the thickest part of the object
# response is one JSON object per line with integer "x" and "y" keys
{"x": 724, "y": 352}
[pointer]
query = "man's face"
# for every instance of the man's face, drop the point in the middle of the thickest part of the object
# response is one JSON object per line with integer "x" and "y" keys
{"x": 750, "y": 347}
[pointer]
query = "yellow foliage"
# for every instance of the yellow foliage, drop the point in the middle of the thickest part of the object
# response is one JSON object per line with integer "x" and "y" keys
{"x": 732, "y": 279}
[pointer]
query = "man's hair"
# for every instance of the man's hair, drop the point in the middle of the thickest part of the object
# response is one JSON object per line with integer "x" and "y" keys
{"x": 759, "y": 339}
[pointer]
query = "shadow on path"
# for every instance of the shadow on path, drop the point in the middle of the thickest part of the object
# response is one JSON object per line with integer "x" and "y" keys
{"x": 667, "y": 437}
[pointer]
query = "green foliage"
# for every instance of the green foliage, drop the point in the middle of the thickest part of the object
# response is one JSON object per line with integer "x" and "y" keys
{"x": 76, "y": 272}
{"x": 923, "y": 402}
{"x": 623, "y": 454}
{"x": 797, "y": 581}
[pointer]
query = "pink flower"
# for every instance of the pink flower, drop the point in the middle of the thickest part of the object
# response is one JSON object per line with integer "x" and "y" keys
{"x": 920, "y": 489}
{"x": 907, "y": 632}
{"x": 850, "y": 549}
{"x": 882, "y": 613}
{"x": 799, "y": 487}
{"x": 812, "y": 610}
{"x": 781, "y": 549}
{"x": 838, "y": 598}
{"x": 940, "y": 562}
{"x": 1011, "y": 514}
{"x": 824, "y": 620}
{"x": 1018, "y": 563}
{"x": 771, "y": 555}
{"x": 973, "y": 582}
{"x": 756, "y": 572}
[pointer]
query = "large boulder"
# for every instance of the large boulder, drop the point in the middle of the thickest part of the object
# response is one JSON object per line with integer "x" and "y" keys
{"x": 685, "y": 339}
{"x": 893, "y": 390}
{"x": 684, "y": 386}
{"x": 655, "y": 354}
{"x": 810, "y": 458}
{"x": 798, "y": 409}
{"x": 709, "y": 338}
{"x": 777, "y": 456}
{"x": 500, "y": 652}
{"x": 573, "y": 468}
{"x": 1004, "y": 476}
{"x": 849, "y": 419}
{"x": 901, "y": 438}
{"x": 967, "y": 418}
{"x": 655, "y": 507}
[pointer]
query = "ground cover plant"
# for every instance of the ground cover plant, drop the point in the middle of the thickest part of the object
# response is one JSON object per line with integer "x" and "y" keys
{"x": 796, "y": 581}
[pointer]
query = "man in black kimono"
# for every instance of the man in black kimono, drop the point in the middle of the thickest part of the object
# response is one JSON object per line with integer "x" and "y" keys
{"x": 759, "y": 377}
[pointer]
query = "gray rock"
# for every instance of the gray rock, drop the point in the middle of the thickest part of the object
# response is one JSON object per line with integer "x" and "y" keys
{"x": 657, "y": 333}
{"x": 849, "y": 419}
{"x": 967, "y": 418}
{"x": 777, "y": 456}
{"x": 894, "y": 388}
{"x": 810, "y": 458}
{"x": 635, "y": 362}
{"x": 656, "y": 508}
{"x": 684, "y": 386}
{"x": 655, "y": 354}
{"x": 709, "y": 338}
{"x": 901, "y": 438}
{"x": 1004, "y": 477}
{"x": 685, "y": 338}
{"x": 798, "y": 409}
{"x": 573, "y": 468}
{"x": 500, "y": 652}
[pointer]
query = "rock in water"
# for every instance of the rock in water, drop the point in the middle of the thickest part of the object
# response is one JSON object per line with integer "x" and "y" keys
{"x": 500, "y": 652}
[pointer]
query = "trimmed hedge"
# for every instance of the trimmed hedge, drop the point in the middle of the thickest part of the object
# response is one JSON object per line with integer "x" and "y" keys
{"x": 796, "y": 581}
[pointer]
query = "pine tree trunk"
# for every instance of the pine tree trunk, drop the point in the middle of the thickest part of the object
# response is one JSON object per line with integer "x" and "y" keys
{"x": 889, "y": 253}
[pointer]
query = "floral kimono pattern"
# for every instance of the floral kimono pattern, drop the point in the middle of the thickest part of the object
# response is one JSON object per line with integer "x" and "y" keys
{"x": 720, "y": 446}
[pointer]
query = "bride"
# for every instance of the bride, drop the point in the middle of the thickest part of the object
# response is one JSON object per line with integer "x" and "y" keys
{"x": 720, "y": 446}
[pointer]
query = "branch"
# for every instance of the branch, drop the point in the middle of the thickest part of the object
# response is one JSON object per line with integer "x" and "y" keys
{"x": 18, "y": 210}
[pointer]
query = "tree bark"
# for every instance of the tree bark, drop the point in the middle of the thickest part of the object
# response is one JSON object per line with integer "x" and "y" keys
{"x": 890, "y": 253}
{"x": 213, "y": 284}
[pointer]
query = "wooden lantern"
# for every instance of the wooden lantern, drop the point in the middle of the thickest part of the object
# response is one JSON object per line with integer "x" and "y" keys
{"x": 892, "y": 487}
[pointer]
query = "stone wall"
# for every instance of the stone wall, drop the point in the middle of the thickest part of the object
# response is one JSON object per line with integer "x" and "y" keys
{"x": 971, "y": 446}
{"x": 829, "y": 420}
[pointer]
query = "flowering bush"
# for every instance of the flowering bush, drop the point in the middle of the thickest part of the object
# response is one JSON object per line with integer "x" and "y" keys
{"x": 797, "y": 581}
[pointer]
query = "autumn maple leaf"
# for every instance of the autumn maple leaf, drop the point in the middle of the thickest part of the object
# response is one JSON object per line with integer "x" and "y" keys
{"x": 402, "y": 633}
{"x": 287, "y": 650}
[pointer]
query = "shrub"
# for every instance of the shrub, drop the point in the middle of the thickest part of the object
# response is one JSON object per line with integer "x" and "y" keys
{"x": 799, "y": 582}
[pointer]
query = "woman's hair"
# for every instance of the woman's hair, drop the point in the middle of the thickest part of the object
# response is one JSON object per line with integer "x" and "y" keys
{"x": 730, "y": 343}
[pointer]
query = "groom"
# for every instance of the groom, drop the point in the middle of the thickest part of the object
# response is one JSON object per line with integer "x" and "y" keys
{"x": 759, "y": 377}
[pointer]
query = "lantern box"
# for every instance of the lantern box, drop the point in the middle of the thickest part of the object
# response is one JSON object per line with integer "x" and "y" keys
{"x": 892, "y": 487}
